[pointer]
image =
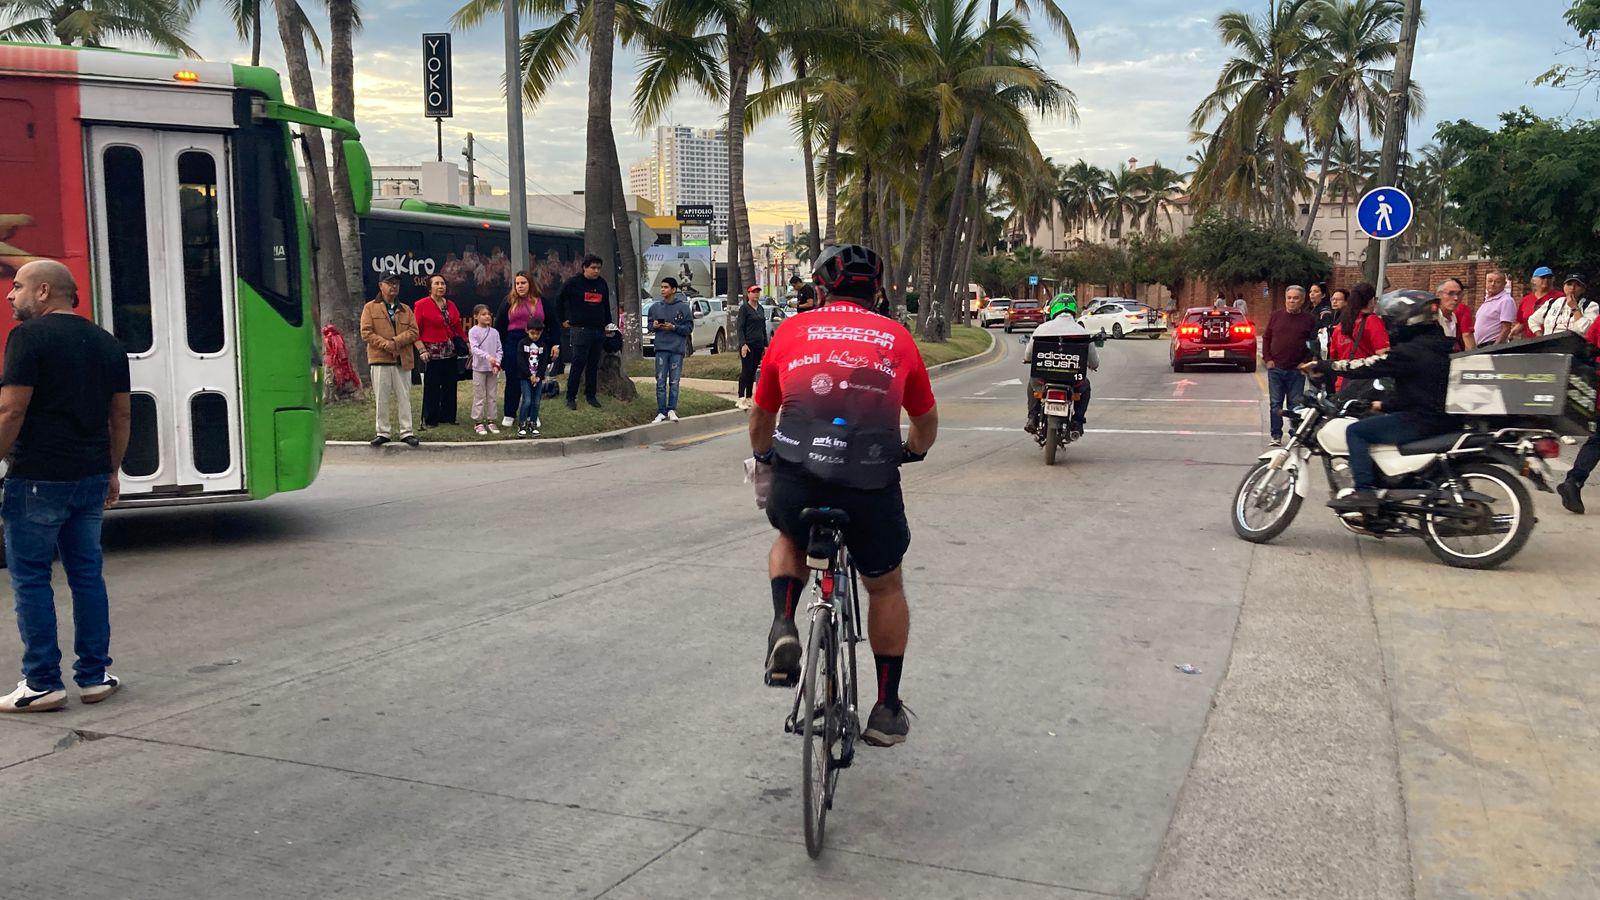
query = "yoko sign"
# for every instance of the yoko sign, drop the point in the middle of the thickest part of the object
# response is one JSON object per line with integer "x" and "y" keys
{"x": 438, "y": 85}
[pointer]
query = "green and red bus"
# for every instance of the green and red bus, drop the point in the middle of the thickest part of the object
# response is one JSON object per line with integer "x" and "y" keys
{"x": 169, "y": 188}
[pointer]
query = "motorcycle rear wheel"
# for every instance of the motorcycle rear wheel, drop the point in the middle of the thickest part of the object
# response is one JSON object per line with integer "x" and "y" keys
{"x": 1052, "y": 439}
{"x": 1262, "y": 477}
{"x": 1510, "y": 525}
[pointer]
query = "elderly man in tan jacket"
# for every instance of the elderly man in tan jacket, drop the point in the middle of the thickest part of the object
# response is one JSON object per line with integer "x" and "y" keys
{"x": 389, "y": 329}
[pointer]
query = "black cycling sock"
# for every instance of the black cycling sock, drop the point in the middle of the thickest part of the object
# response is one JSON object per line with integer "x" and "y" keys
{"x": 785, "y": 595}
{"x": 889, "y": 680}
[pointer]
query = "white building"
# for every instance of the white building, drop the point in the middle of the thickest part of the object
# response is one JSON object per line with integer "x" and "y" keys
{"x": 687, "y": 165}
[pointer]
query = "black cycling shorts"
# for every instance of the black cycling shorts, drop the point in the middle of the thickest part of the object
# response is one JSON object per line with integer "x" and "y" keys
{"x": 878, "y": 535}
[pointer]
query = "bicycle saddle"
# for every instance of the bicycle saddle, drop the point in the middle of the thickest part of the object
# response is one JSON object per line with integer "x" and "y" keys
{"x": 827, "y": 518}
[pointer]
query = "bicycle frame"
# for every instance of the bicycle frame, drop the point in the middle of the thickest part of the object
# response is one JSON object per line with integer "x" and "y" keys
{"x": 836, "y": 605}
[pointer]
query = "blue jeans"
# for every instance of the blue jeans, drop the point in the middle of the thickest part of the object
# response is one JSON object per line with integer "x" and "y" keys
{"x": 42, "y": 518}
{"x": 1283, "y": 385}
{"x": 669, "y": 369}
{"x": 528, "y": 409}
{"x": 1394, "y": 428}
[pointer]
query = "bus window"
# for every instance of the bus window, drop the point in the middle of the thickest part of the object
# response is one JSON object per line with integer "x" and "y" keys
{"x": 202, "y": 253}
{"x": 128, "y": 249}
{"x": 208, "y": 416}
{"x": 144, "y": 445}
{"x": 266, "y": 211}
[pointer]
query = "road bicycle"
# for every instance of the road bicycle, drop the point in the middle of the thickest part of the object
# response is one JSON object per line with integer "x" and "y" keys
{"x": 826, "y": 714}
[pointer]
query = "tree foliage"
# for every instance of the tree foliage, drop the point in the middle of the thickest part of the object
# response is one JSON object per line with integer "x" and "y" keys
{"x": 1235, "y": 251}
{"x": 1531, "y": 190}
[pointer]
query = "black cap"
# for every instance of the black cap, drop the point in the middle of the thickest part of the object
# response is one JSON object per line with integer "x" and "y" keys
{"x": 389, "y": 279}
{"x": 1575, "y": 277}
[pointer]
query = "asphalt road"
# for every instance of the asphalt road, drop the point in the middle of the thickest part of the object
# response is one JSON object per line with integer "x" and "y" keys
{"x": 542, "y": 678}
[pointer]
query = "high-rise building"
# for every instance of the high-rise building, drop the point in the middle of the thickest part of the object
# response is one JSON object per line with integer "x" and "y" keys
{"x": 687, "y": 165}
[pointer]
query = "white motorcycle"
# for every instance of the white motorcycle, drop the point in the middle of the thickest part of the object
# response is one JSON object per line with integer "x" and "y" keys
{"x": 1459, "y": 492}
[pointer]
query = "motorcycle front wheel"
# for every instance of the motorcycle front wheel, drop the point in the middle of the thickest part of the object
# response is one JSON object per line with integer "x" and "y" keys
{"x": 1265, "y": 503}
{"x": 1497, "y": 531}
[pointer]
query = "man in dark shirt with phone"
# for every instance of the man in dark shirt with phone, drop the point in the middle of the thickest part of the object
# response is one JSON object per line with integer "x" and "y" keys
{"x": 64, "y": 414}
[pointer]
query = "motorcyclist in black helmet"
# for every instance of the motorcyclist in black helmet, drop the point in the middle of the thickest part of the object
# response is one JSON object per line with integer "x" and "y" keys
{"x": 1418, "y": 359}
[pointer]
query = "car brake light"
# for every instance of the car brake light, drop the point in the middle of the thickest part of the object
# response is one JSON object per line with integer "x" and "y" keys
{"x": 1244, "y": 330}
{"x": 1547, "y": 448}
{"x": 1188, "y": 331}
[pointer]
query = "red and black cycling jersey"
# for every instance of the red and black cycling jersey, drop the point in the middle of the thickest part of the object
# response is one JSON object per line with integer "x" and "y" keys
{"x": 837, "y": 378}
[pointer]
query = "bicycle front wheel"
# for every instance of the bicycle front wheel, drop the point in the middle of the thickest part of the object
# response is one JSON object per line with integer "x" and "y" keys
{"x": 819, "y": 729}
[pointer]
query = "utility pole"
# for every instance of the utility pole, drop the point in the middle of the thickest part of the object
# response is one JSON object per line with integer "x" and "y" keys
{"x": 472, "y": 174}
{"x": 518, "y": 177}
{"x": 1397, "y": 116}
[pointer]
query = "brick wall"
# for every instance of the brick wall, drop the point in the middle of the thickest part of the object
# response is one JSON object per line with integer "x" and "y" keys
{"x": 1425, "y": 276}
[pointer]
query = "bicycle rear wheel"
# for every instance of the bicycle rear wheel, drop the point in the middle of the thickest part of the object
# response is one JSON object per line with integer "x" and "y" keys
{"x": 819, "y": 730}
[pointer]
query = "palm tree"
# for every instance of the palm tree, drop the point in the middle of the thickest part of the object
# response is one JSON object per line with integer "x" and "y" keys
{"x": 337, "y": 303}
{"x": 1162, "y": 189}
{"x": 246, "y": 17}
{"x": 752, "y": 36}
{"x": 1080, "y": 193}
{"x": 1352, "y": 39}
{"x": 162, "y": 24}
{"x": 344, "y": 20}
{"x": 1258, "y": 93}
{"x": 1123, "y": 202}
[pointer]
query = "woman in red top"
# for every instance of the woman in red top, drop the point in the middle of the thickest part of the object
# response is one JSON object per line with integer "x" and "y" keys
{"x": 438, "y": 321}
{"x": 1360, "y": 332}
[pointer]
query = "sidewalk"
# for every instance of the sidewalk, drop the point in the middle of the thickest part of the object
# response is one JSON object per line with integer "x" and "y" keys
{"x": 1392, "y": 727}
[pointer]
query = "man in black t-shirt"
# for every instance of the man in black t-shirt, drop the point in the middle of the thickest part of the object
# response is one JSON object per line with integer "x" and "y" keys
{"x": 64, "y": 413}
{"x": 586, "y": 311}
{"x": 805, "y": 295}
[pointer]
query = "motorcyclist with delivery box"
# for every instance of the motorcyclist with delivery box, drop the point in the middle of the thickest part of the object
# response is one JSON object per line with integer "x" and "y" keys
{"x": 1060, "y": 321}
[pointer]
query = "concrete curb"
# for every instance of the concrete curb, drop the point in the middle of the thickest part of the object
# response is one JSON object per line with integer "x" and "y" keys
{"x": 636, "y": 436}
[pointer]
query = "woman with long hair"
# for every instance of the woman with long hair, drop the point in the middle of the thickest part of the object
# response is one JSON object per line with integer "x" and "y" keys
{"x": 522, "y": 304}
{"x": 1360, "y": 332}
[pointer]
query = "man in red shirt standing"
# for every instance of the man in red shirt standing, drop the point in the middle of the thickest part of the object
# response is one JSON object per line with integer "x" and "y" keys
{"x": 827, "y": 420}
{"x": 1542, "y": 289}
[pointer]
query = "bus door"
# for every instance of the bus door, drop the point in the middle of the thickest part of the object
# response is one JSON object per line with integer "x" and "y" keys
{"x": 161, "y": 217}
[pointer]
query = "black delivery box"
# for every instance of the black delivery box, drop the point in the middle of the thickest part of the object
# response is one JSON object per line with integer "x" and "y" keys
{"x": 1544, "y": 382}
{"x": 1061, "y": 357}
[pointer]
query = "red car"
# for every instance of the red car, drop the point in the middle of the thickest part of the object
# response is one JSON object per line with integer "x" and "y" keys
{"x": 1208, "y": 335}
{"x": 1024, "y": 312}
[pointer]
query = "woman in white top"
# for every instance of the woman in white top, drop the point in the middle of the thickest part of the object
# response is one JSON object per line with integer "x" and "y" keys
{"x": 1567, "y": 313}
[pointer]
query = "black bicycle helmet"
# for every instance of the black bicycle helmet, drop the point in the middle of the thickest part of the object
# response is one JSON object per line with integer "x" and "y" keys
{"x": 849, "y": 270}
{"x": 1402, "y": 308}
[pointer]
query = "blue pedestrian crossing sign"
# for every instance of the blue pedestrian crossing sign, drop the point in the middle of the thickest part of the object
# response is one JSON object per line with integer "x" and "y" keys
{"x": 1033, "y": 280}
{"x": 1385, "y": 213}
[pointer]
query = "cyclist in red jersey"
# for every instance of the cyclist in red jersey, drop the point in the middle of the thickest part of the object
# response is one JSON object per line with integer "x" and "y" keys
{"x": 827, "y": 419}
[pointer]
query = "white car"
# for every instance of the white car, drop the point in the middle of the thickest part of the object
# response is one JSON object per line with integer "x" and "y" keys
{"x": 1120, "y": 318}
{"x": 710, "y": 325}
{"x": 995, "y": 312}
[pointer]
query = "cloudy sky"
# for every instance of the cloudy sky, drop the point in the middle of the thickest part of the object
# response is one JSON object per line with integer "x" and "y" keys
{"x": 1145, "y": 64}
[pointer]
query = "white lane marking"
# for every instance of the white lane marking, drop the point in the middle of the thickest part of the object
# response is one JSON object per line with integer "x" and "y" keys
{"x": 1017, "y": 382}
{"x": 1176, "y": 432}
{"x": 989, "y": 398}
{"x": 1170, "y": 400}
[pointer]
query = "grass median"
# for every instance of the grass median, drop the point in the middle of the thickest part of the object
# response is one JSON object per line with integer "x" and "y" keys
{"x": 965, "y": 341}
{"x": 352, "y": 420}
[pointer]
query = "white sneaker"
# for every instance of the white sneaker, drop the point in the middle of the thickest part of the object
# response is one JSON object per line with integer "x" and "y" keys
{"x": 741, "y": 403}
{"x": 658, "y": 419}
{"x": 507, "y": 422}
{"x": 94, "y": 693}
{"x": 26, "y": 700}
{"x": 538, "y": 423}
{"x": 672, "y": 415}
